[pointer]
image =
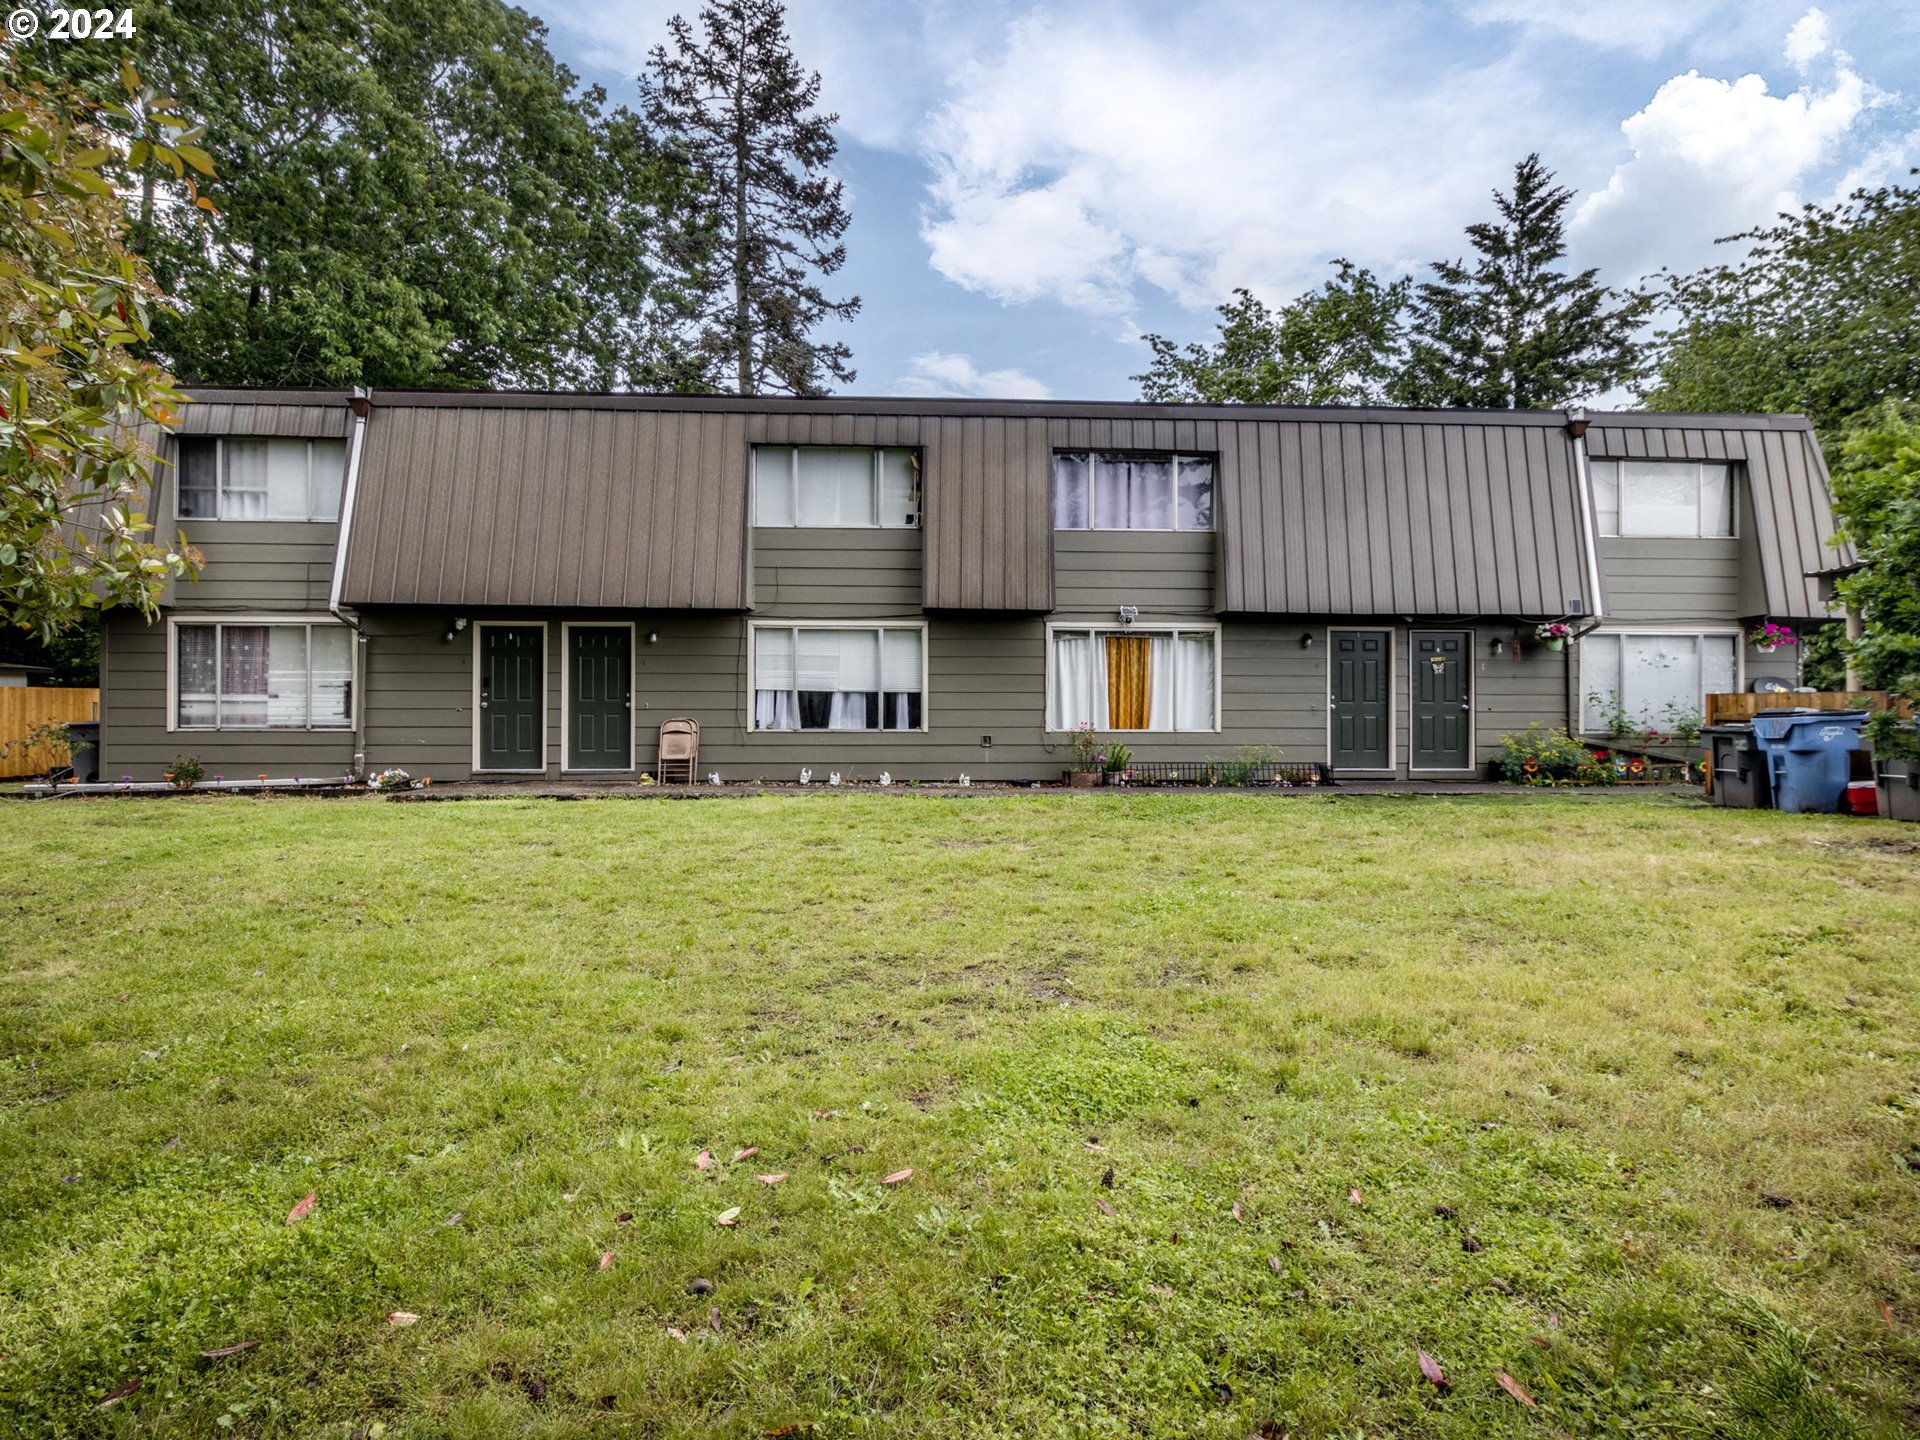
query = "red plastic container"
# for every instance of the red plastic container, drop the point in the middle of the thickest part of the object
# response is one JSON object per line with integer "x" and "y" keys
{"x": 1862, "y": 798}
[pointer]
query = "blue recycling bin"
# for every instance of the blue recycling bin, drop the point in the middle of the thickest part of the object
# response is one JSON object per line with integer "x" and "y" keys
{"x": 1807, "y": 754}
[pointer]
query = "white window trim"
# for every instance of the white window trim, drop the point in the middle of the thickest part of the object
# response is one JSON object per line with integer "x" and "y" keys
{"x": 1473, "y": 698}
{"x": 1095, "y": 627}
{"x": 1738, "y": 633}
{"x": 265, "y": 617}
{"x": 546, "y": 687}
{"x": 1174, "y": 457}
{"x": 753, "y": 649}
{"x": 1620, "y": 502}
{"x": 793, "y": 486}
{"x": 1392, "y": 767}
{"x": 220, "y": 479}
{"x": 567, "y": 627}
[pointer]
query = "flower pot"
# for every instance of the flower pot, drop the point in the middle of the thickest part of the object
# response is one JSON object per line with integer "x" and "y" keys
{"x": 1083, "y": 779}
{"x": 1554, "y": 644}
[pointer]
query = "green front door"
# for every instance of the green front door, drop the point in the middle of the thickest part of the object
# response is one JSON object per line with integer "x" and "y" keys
{"x": 1442, "y": 699}
{"x": 512, "y": 688}
{"x": 600, "y": 697}
{"x": 1360, "y": 690}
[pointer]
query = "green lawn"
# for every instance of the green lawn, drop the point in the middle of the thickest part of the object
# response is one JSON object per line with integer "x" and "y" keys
{"x": 1218, "y": 1109}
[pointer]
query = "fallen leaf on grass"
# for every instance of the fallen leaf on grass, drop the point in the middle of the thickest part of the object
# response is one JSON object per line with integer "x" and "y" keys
{"x": 1093, "y": 1143}
{"x": 1273, "y": 1264}
{"x": 728, "y": 1217}
{"x": 226, "y": 1350}
{"x": 747, "y": 1153}
{"x": 1161, "y": 1289}
{"x": 677, "y": 1333}
{"x": 773, "y": 1179}
{"x": 402, "y": 1317}
{"x": 1514, "y": 1388}
{"x": 1886, "y": 1313}
{"x": 1105, "y": 1207}
{"x": 606, "y": 1259}
{"x": 113, "y": 1397}
{"x": 1236, "y": 1210}
{"x": 1353, "y": 1196}
{"x": 713, "y": 1318}
{"x": 625, "y": 1217}
{"x": 896, "y": 1177}
{"x": 570, "y": 1197}
{"x": 1541, "y": 1341}
{"x": 1430, "y": 1368}
{"x": 300, "y": 1211}
{"x": 825, "y": 1114}
{"x": 703, "y": 1161}
{"x": 453, "y": 1219}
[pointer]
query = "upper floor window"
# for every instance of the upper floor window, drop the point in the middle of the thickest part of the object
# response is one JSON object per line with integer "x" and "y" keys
{"x": 1095, "y": 491}
{"x": 835, "y": 487}
{"x": 246, "y": 477}
{"x": 1664, "y": 499}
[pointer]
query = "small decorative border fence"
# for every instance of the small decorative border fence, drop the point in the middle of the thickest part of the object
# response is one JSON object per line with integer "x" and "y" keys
{"x": 1232, "y": 773}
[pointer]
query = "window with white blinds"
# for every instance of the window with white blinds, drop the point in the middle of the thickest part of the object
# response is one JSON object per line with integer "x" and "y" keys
{"x": 231, "y": 675}
{"x": 245, "y": 477}
{"x": 1657, "y": 679}
{"x": 835, "y": 487}
{"x": 1664, "y": 499}
{"x": 839, "y": 677}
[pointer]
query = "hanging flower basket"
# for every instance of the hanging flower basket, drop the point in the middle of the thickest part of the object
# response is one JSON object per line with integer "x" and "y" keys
{"x": 1771, "y": 637}
{"x": 1554, "y": 634}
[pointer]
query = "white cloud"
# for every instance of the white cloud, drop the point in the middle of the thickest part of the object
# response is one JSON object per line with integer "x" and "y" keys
{"x": 1808, "y": 40}
{"x": 1086, "y": 156}
{"x": 1643, "y": 26}
{"x": 1713, "y": 157}
{"x": 934, "y": 372}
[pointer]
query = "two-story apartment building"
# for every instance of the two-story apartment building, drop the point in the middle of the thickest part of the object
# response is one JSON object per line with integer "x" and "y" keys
{"x": 475, "y": 584}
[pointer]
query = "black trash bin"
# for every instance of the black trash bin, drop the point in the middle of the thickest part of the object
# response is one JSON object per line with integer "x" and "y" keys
{"x": 1740, "y": 776}
{"x": 83, "y": 744}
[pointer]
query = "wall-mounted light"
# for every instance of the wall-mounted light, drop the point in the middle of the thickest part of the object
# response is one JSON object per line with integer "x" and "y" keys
{"x": 1129, "y": 614}
{"x": 653, "y": 637}
{"x": 1306, "y": 640}
{"x": 454, "y": 627}
{"x": 1499, "y": 646}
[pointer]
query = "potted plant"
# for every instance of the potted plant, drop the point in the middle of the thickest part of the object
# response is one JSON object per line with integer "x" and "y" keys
{"x": 1119, "y": 761}
{"x": 1770, "y": 637}
{"x": 1554, "y": 634}
{"x": 1089, "y": 759}
{"x": 186, "y": 772}
{"x": 1896, "y": 757}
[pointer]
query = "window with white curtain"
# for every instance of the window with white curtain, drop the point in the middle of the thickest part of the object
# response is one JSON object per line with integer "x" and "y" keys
{"x": 1664, "y": 499}
{"x": 1657, "y": 679}
{"x": 835, "y": 487}
{"x": 839, "y": 677}
{"x": 1134, "y": 679}
{"x": 231, "y": 675}
{"x": 1096, "y": 491}
{"x": 245, "y": 477}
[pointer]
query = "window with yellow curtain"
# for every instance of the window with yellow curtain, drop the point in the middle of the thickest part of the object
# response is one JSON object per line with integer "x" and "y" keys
{"x": 1127, "y": 669}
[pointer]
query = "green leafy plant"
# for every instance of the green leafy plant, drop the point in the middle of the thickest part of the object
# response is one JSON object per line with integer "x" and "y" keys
{"x": 1685, "y": 722}
{"x": 49, "y": 735}
{"x": 186, "y": 772}
{"x": 1086, "y": 749}
{"x": 1119, "y": 757}
{"x": 1614, "y": 719}
{"x": 1892, "y": 735}
{"x": 1539, "y": 756}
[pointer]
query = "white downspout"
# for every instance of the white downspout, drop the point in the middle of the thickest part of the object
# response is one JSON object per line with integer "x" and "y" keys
{"x": 361, "y": 402}
{"x": 1590, "y": 530}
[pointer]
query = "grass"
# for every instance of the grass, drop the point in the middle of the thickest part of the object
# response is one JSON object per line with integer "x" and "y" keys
{"x": 1618, "y": 1095}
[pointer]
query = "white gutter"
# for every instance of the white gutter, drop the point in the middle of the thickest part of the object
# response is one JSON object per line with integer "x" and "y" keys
{"x": 362, "y": 405}
{"x": 1590, "y": 515}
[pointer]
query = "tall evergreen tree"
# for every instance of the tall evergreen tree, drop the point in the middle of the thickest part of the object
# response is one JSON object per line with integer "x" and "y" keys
{"x": 1515, "y": 330}
{"x": 735, "y": 103}
{"x": 409, "y": 192}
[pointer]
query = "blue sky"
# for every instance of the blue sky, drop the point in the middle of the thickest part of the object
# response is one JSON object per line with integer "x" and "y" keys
{"x": 1033, "y": 186}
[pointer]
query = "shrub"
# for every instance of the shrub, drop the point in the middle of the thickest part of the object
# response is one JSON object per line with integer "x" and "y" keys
{"x": 1539, "y": 756}
{"x": 186, "y": 772}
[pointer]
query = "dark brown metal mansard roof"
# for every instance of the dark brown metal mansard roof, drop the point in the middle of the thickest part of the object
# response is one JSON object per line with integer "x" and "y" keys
{"x": 553, "y": 500}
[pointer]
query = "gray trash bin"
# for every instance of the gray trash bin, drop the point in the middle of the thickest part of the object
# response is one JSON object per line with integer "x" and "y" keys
{"x": 1740, "y": 776}
{"x": 1807, "y": 754}
{"x": 83, "y": 745}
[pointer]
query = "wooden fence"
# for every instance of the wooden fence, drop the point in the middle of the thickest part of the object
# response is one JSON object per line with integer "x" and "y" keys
{"x": 24, "y": 706}
{"x": 1738, "y": 709}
